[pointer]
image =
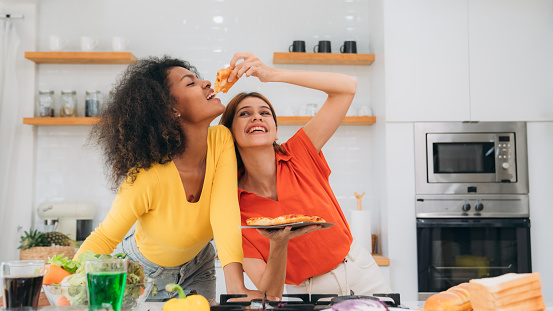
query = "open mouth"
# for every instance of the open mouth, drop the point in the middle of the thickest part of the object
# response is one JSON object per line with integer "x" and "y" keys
{"x": 211, "y": 95}
{"x": 254, "y": 129}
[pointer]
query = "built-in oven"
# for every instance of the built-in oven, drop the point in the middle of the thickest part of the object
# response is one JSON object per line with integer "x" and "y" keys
{"x": 472, "y": 208}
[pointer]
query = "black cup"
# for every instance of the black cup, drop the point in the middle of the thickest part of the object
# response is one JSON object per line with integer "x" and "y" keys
{"x": 322, "y": 47}
{"x": 349, "y": 47}
{"x": 297, "y": 46}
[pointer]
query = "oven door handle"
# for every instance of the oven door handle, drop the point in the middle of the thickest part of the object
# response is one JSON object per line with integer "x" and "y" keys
{"x": 460, "y": 268}
{"x": 473, "y": 222}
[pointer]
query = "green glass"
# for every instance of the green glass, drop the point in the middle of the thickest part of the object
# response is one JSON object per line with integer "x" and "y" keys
{"x": 106, "y": 283}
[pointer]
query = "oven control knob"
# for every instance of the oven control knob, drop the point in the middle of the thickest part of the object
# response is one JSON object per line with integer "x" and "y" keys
{"x": 466, "y": 207}
{"x": 479, "y": 207}
{"x": 505, "y": 165}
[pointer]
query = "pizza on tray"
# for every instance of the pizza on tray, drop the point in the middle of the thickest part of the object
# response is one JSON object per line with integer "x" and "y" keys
{"x": 282, "y": 220}
{"x": 221, "y": 82}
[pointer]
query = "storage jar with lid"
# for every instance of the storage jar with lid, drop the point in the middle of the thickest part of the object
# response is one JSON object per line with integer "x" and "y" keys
{"x": 92, "y": 104}
{"x": 68, "y": 103}
{"x": 46, "y": 103}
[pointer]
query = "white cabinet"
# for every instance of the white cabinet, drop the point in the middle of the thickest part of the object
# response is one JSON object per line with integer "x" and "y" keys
{"x": 511, "y": 60}
{"x": 426, "y": 60}
{"x": 479, "y": 60}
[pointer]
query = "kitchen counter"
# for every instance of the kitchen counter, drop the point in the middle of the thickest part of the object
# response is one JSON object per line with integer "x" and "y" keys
{"x": 412, "y": 305}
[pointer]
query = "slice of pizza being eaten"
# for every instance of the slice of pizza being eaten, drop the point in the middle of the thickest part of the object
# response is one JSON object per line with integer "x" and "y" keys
{"x": 221, "y": 82}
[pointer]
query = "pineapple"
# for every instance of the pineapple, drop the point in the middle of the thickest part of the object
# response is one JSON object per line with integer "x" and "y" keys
{"x": 58, "y": 238}
{"x": 33, "y": 238}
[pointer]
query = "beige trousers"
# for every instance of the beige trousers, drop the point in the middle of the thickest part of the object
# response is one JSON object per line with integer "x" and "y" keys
{"x": 358, "y": 273}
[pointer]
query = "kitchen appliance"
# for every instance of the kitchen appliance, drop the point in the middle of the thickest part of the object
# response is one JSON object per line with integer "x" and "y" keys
{"x": 472, "y": 205}
{"x": 471, "y": 157}
{"x": 71, "y": 218}
{"x": 303, "y": 302}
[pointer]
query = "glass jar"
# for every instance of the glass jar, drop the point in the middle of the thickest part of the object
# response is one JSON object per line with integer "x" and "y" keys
{"x": 68, "y": 104}
{"x": 92, "y": 104}
{"x": 46, "y": 103}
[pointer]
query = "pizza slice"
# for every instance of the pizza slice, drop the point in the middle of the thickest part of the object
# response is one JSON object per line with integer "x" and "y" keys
{"x": 316, "y": 219}
{"x": 221, "y": 82}
{"x": 282, "y": 220}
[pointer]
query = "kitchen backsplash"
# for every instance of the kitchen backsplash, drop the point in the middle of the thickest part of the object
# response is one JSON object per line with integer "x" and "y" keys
{"x": 207, "y": 35}
{"x": 69, "y": 167}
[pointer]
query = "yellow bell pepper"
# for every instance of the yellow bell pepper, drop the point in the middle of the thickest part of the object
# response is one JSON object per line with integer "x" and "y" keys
{"x": 184, "y": 303}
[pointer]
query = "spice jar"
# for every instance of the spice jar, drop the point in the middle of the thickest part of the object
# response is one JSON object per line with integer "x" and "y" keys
{"x": 92, "y": 103}
{"x": 46, "y": 103}
{"x": 68, "y": 105}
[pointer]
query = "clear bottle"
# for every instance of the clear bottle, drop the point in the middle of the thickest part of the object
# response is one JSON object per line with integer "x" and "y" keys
{"x": 46, "y": 103}
{"x": 92, "y": 104}
{"x": 68, "y": 104}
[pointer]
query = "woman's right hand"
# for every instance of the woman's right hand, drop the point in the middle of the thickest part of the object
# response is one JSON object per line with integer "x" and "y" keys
{"x": 251, "y": 66}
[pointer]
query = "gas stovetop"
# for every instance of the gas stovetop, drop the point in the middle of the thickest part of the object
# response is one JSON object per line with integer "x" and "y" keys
{"x": 300, "y": 302}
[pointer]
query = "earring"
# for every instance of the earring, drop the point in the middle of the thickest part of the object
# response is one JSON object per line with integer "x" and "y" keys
{"x": 178, "y": 115}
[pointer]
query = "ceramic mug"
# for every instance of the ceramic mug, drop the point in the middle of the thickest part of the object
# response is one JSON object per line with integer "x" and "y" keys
{"x": 88, "y": 44}
{"x": 323, "y": 47}
{"x": 57, "y": 43}
{"x": 297, "y": 46}
{"x": 349, "y": 47}
{"x": 119, "y": 44}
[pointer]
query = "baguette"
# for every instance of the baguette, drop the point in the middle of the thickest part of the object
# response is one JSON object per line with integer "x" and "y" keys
{"x": 455, "y": 298}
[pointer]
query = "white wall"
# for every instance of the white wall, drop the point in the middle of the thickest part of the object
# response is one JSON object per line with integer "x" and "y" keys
{"x": 19, "y": 207}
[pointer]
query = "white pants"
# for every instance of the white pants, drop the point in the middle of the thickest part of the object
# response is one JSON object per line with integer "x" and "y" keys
{"x": 358, "y": 273}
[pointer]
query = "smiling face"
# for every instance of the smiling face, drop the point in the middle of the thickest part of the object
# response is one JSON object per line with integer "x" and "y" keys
{"x": 253, "y": 124}
{"x": 194, "y": 99}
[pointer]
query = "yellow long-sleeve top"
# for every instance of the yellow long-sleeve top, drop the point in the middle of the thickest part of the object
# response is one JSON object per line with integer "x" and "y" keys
{"x": 171, "y": 231}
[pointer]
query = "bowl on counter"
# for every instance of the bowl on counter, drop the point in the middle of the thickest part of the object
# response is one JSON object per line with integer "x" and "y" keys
{"x": 77, "y": 296}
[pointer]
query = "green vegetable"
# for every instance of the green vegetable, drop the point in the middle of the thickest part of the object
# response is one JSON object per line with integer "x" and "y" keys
{"x": 64, "y": 262}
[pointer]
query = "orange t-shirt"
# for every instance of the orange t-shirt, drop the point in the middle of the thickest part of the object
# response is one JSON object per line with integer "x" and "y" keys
{"x": 303, "y": 188}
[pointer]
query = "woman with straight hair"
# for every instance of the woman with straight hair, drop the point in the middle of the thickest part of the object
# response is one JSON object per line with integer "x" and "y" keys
{"x": 293, "y": 178}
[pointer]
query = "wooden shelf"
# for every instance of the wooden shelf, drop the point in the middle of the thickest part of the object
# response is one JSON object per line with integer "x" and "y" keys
{"x": 61, "y": 121}
{"x": 81, "y": 57}
{"x": 364, "y": 120}
{"x": 323, "y": 58}
{"x": 92, "y": 120}
{"x": 381, "y": 260}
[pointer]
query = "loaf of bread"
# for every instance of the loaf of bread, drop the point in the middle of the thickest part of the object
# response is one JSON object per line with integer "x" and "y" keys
{"x": 508, "y": 292}
{"x": 456, "y": 298}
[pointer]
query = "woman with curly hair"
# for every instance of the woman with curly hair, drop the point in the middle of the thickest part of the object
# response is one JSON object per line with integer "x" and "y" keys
{"x": 176, "y": 179}
{"x": 293, "y": 178}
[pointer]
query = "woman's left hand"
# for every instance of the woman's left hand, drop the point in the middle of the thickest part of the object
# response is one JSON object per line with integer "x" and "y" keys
{"x": 251, "y": 66}
{"x": 286, "y": 234}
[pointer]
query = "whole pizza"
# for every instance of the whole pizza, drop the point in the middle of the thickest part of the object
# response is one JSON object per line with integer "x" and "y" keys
{"x": 282, "y": 220}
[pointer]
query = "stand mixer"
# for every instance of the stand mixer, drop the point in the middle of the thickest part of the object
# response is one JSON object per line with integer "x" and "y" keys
{"x": 71, "y": 218}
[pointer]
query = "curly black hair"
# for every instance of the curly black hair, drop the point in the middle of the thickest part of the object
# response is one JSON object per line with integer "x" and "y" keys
{"x": 137, "y": 126}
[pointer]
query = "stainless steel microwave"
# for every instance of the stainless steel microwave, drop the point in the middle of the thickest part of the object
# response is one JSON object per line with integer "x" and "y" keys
{"x": 471, "y": 157}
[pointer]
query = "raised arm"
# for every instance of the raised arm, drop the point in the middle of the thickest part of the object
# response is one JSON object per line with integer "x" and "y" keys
{"x": 340, "y": 89}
